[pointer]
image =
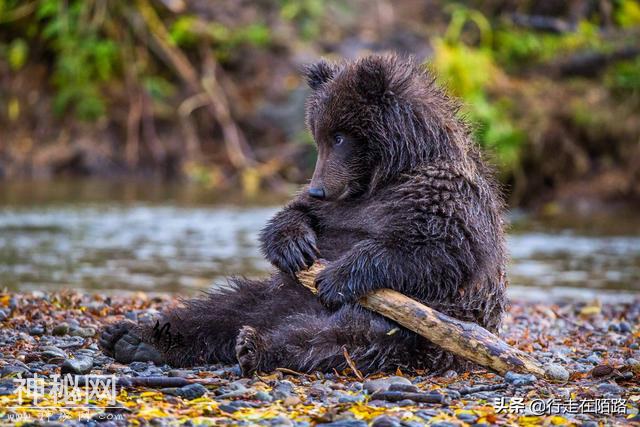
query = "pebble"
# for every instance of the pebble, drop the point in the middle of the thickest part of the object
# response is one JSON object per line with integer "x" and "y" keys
{"x": 37, "y": 331}
{"x": 282, "y": 390}
{"x": 349, "y": 398}
{"x": 228, "y": 408}
{"x": 634, "y": 364}
{"x": 4, "y": 315}
{"x": 625, "y": 327}
{"x": 60, "y": 329}
{"x": 344, "y": 423}
{"x": 181, "y": 373}
{"x": 87, "y": 332}
{"x": 444, "y": 424}
{"x": 263, "y": 396}
{"x": 14, "y": 370}
{"x": 78, "y": 366}
{"x": 385, "y": 421}
{"x": 594, "y": 359}
{"x": 189, "y": 392}
{"x": 383, "y": 384}
{"x": 52, "y": 352}
{"x": 519, "y": 379}
{"x": 291, "y": 400}
{"x": 403, "y": 387}
{"x": 467, "y": 418}
{"x": 608, "y": 388}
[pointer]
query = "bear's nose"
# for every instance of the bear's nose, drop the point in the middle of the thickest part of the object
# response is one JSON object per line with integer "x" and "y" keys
{"x": 318, "y": 193}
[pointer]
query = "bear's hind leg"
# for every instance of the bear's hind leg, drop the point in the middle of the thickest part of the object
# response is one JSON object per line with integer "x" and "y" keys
{"x": 204, "y": 330}
{"x": 318, "y": 341}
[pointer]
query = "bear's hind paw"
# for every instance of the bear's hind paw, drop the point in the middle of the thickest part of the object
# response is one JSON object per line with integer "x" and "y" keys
{"x": 249, "y": 347}
{"x": 123, "y": 344}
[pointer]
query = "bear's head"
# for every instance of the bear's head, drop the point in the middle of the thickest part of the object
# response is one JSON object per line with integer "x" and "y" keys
{"x": 375, "y": 119}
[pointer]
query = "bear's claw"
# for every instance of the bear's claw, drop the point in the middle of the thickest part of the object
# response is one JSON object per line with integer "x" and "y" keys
{"x": 121, "y": 342}
{"x": 248, "y": 350}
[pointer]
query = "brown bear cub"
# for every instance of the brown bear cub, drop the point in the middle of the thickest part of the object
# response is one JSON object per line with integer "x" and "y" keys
{"x": 400, "y": 198}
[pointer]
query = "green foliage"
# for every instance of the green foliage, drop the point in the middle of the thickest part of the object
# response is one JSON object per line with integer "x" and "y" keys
{"x": 490, "y": 118}
{"x": 625, "y": 77}
{"x": 305, "y": 13}
{"x": 17, "y": 53}
{"x": 627, "y": 14}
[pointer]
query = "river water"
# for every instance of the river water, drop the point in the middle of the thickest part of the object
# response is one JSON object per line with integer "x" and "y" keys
{"x": 172, "y": 238}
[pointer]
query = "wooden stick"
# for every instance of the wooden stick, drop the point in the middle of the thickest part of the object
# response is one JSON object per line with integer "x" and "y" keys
{"x": 468, "y": 340}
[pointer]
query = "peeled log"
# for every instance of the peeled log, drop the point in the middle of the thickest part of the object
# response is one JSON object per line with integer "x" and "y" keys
{"x": 465, "y": 339}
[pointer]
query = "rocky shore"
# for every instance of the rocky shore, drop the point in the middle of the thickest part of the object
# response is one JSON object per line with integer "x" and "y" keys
{"x": 46, "y": 337}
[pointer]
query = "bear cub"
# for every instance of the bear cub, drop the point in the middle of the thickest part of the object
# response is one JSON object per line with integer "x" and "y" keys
{"x": 400, "y": 198}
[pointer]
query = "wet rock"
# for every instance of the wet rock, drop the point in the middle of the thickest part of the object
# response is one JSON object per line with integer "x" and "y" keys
{"x": 609, "y": 388}
{"x": 444, "y": 424}
{"x": 614, "y": 327}
{"x": 383, "y": 384}
{"x": 87, "y": 332}
{"x": 349, "y": 398}
{"x": 634, "y": 364}
{"x": 4, "y": 315}
{"x": 131, "y": 315}
{"x": 37, "y": 331}
{"x": 450, "y": 374}
{"x": 557, "y": 372}
{"x": 282, "y": 390}
{"x": 60, "y": 329}
{"x": 403, "y": 387}
{"x": 12, "y": 371}
{"x": 467, "y": 417}
{"x": 228, "y": 408}
{"x": 594, "y": 359}
{"x": 386, "y": 421}
{"x": 589, "y": 424}
{"x": 291, "y": 400}
{"x": 345, "y": 423}
{"x": 263, "y": 396}
{"x": 189, "y": 392}
{"x": 181, "y": 373}
{"x": 78, "y": 366}
{"x": 280, "y": 421}
{"x": 519, "y": 379}
{"x": 625, "y": 327}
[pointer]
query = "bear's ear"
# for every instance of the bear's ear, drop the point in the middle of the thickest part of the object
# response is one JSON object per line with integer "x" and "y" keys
{"x": 372, "y": 79}
{"x": 318, "y": 73}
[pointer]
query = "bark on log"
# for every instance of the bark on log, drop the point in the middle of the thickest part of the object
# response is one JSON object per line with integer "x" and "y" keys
{"x": 465, "y": 339}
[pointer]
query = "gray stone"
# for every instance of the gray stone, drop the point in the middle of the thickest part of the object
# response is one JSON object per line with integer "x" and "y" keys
{"x": 189, "y": 392}
{"x": 83, "y": 332}
{"x": 609, "y": 388}
{"x": 385, "y": 421}
{"x": 383, "y": 384}
{"x": 78, "y": 366}
{"x": 625, "y": 327}
{"x": 52, "y": 352}
{"x": 282, "y": 390}
{"x": 519, "y": 379}
{"x": 60, "y": 329}
{"x": 556, "y": 372}
{"x": 37, "y": 331}
{"x": 263, "y": 396}
{"x": 594, "y": 359}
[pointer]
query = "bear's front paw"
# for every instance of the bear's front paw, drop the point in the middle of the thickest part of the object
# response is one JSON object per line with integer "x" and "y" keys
{"x": 333, "y": 289}
{"x": 293, "y": 250}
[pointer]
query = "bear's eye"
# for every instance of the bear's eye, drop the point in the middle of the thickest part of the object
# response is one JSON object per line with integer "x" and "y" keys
{"x": 338, "y": 139}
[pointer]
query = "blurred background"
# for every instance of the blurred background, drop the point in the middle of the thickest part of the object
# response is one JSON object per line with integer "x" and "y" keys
{"x": 144, "y": 143}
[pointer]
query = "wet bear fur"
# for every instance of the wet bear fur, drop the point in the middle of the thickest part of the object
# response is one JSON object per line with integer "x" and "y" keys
{"x": 408, "y": 204}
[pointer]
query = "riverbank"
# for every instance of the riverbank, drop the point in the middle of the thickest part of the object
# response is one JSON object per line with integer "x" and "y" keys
{"x": 44, "y": 334}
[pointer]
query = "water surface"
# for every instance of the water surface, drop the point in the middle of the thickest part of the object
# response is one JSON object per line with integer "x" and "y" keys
{"x": 157, "y": 237}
